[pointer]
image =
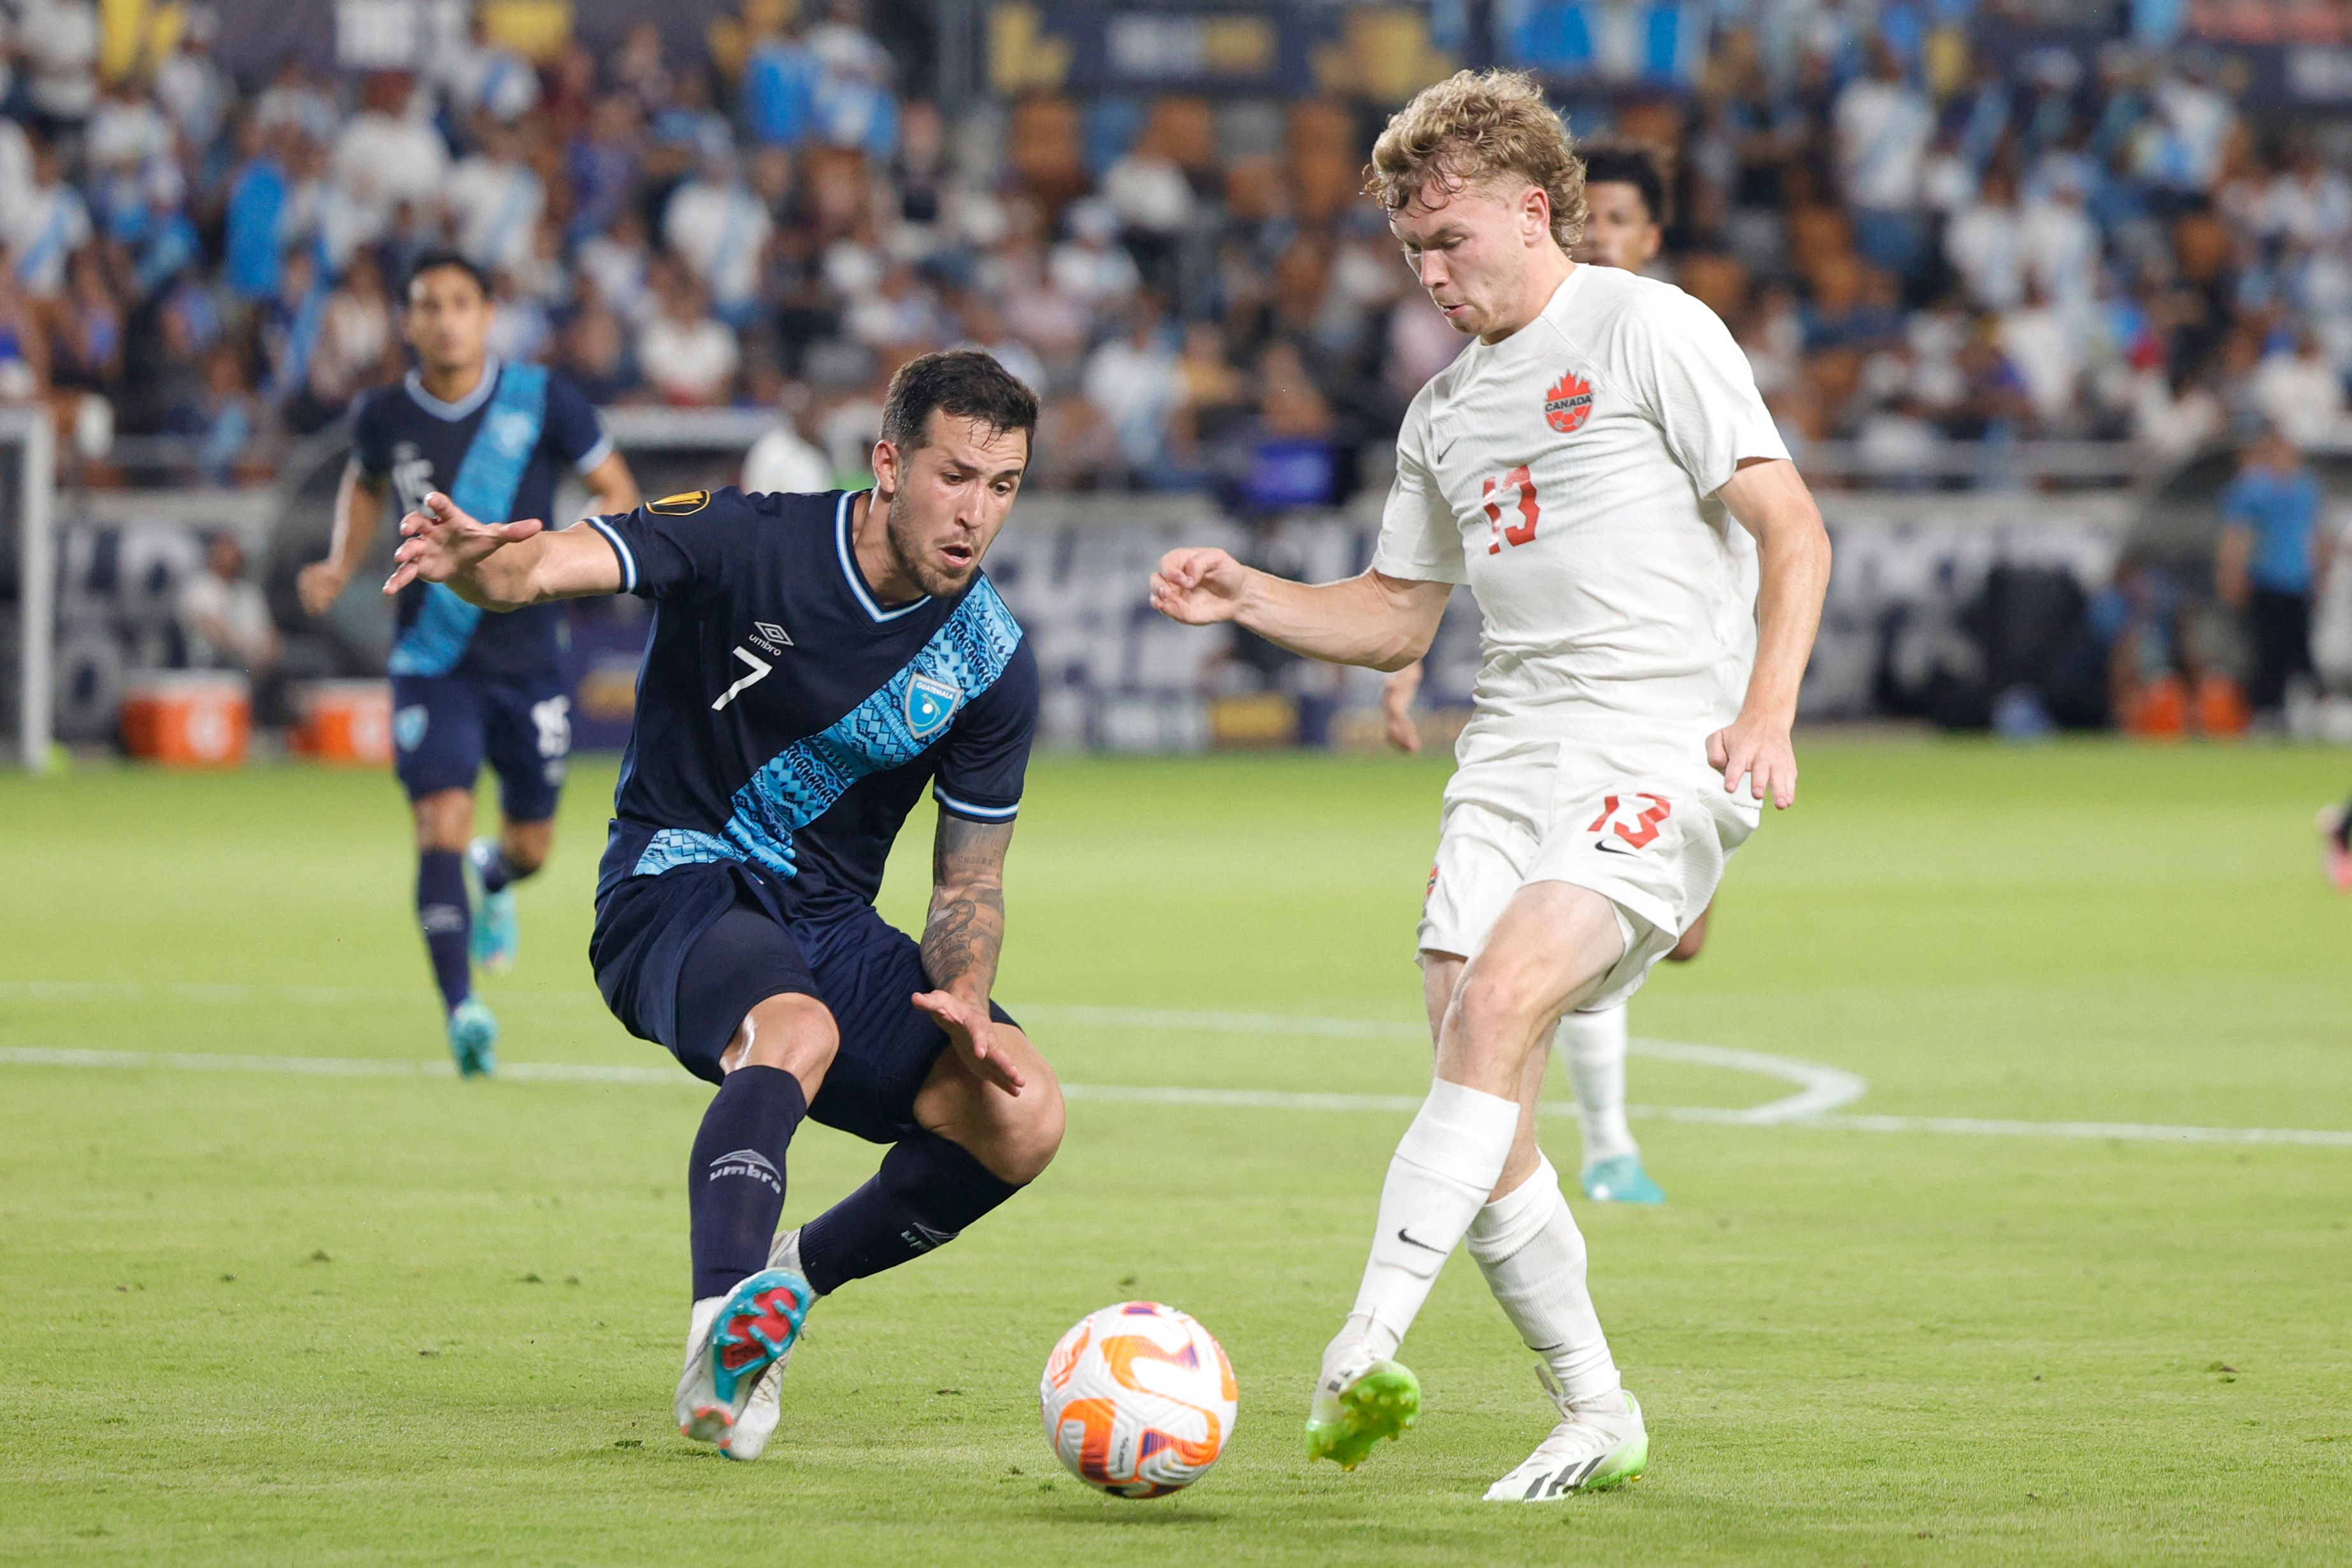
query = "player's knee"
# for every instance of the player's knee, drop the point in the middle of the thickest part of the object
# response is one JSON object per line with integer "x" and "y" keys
{"x": 1032, "y": 1135}
{"x": 1690, "y": 944}
{"x": 793, "y": 1032}
{"x": 445, "y": 819}
{"x": 1491, "y": 1008}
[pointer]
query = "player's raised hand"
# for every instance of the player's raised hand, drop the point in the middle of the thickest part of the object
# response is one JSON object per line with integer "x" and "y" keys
{"x": 973, "y": 1034}
{"x": 1198, "y": 586}
{"x": 438, "y": 541}
{"x": 1760, "y": 750}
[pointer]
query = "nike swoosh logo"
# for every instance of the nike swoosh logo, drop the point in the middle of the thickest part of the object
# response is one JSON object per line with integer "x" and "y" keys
{"x": 1611, "y": 846}
{"x": 1406, "y": 1236}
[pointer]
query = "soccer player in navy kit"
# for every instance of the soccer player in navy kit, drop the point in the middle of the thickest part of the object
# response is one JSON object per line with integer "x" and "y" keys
{"x": 816, "y": 663}
{"x": 466, "y": 687}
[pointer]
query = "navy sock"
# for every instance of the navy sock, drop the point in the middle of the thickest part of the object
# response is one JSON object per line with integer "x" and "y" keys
{"x": 735, "y": 1180}
{"x": 927, "y": 1190}
{"x": 498, "y": 873}
{"x": 448, "y": 923}
{"x": 2344, "y": 826}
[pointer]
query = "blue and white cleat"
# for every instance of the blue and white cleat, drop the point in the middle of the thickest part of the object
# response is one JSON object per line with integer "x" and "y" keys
{"x": 735, "y": 1345}
{"x": 474, "y": 1038}
{"x": 1620, "y": 1179}
{"x": 498, "y": 934}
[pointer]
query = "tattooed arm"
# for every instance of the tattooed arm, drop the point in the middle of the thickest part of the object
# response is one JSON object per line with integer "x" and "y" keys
{"x": 963, "y": 936}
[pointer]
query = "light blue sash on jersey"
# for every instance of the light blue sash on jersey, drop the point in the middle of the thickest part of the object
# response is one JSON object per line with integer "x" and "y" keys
{"x": 890, "y": 729}
{"x": 485, "y": 489}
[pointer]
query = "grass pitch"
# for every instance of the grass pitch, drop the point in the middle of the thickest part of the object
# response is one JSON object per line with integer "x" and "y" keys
{"x": 256, "y": 1317}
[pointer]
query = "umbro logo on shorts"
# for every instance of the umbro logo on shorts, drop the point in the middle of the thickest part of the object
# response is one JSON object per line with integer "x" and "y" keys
{"x": 747, "y": 1162}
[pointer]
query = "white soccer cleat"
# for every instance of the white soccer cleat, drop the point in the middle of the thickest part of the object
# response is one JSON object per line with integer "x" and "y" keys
{"x": 734, "y": 1345}
{"x": 758, "y": 1423}
{"x": 1592, "y": 1449}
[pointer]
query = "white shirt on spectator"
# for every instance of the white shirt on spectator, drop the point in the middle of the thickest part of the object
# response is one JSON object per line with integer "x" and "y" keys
{"x": 44, "y": 227}
{"x": 1882, "y": 128}
{"x": 131, "y": 131}
{"x": 194, "y": 92}
{"x": 497, "y": 79}
{"x": 238, "y": 606}
{"x": 1134, "y": 387}
{"x": 2042, "y": 342}
{"x": 690, "y": 362}
{"x": 721, "y": 229}
{"x": 16, "y": 166}
{"x": 1148, "y": 193}
{"x": 497, "y": 203}
{"x": 381, "y": 161}
{"x": 785, "y": 462}
{"x": 619, "y": 270}
{"x": 2314, "y": 211}
{"x": 2302, "y": 394}
{"x": 1986, "y": 248}
{"x": 2059, "y": 246}
{"x": 60, "y": 42}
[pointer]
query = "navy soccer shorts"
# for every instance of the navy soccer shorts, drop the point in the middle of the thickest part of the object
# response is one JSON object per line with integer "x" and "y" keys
{"x": 681, "y": 957}
{"x": 444, "y": 727}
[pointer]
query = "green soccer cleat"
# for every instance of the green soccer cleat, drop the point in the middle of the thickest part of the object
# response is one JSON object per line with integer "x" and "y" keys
{"x": 498, "y": 934}
{"x": 1594, "y": 1448}
{"x": 1620, "y": 1180}
{"x": 1354, "y": 1409}
{"x": 473, "y": 1038}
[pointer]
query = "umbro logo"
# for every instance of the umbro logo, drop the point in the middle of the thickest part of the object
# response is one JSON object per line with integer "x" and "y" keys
{"x": 769, "y": 637}
{"x": 747, "y": 1162}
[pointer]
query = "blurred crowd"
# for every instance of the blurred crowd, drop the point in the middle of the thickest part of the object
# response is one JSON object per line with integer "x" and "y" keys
{"x": 1914, "y": 239}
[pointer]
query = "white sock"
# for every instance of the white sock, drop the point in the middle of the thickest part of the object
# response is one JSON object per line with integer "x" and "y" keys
{"x": 1446, "y": 1163}
{"x": 1527, "y": 1246}
{"x": 1594, "y": 1045}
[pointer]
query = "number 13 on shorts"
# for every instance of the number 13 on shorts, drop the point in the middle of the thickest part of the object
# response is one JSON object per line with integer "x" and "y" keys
{"x": 1632, "y": 818}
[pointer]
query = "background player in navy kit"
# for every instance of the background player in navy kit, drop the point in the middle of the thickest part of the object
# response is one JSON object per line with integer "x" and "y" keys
{"x": 816, "y": 663}
{"x": 464, "y": 688}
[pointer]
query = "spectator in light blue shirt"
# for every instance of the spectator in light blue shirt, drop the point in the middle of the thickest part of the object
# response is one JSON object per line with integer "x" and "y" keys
{"x": 2266, "y": 562}
{"x": 256, "y": 212}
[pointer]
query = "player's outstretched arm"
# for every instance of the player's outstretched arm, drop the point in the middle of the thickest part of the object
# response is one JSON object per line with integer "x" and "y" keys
{"x": 962, "y": 937}
{"x": 1771, "y": 501}
{"x": 1371, "y": 619}
{"x": 500, "y": 565}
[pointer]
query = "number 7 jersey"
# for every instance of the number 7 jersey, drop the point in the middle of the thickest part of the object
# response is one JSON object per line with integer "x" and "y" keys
{"x": 1568, "y": 475}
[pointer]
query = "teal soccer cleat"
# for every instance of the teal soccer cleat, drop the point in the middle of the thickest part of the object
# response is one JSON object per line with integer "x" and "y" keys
{"x": 1620, "y": 1180}
{"x": 497, "y": 933}
{"x": 473, "y": 1038}
{"x": 732, "y": 1342}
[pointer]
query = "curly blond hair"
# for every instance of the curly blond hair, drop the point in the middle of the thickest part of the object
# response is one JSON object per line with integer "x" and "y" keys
{"x": 1479, "y": 126}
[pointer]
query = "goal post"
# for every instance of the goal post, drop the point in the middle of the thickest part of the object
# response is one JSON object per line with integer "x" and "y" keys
{"x": 29, "y": 431}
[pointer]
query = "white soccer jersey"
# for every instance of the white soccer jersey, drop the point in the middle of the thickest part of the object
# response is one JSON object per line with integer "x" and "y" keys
{"x": 1567, "y": 474}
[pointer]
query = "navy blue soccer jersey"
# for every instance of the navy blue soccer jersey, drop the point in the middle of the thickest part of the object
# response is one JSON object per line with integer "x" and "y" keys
{"x": 497, "y": 452}
{"x": 786, "y": 719}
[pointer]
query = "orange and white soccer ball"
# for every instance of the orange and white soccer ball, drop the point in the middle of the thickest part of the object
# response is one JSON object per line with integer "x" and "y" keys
{"x": 1138, "y": 1400}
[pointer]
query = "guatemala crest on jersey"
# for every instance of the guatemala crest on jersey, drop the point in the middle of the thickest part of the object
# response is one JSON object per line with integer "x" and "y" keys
{"x": 930, "y": 703}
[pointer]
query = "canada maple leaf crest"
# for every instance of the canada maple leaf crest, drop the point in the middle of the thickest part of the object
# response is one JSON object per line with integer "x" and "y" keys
{"x": 1569, "y": 403}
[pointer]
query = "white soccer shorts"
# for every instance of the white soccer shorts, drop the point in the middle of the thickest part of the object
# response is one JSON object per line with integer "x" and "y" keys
{"x": 1646, "y": 827}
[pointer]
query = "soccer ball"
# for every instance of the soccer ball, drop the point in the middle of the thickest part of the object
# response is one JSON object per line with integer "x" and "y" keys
{"x": 1138, "y": 1400}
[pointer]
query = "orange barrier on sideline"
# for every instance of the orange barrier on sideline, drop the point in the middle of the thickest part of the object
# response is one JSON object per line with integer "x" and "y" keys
{"x": 188, "y": 719}
{"x": 344, "y": 721}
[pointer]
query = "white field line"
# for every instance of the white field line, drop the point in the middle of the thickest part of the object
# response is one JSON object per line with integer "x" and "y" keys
{"x": 1822, "y": 1089}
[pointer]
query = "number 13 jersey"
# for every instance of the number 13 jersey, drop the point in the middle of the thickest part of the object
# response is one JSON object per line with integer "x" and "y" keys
{"x": 1568, "y": 475}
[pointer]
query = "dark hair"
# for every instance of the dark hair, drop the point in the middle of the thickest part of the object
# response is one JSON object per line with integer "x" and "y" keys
{"x": 964, "y": 383}
{"x": 1623, "y": 164}
{"x": 434, "y": 261}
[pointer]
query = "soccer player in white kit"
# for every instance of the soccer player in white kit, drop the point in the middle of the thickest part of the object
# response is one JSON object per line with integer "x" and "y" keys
{"x": 1592, "y": 467}
{"x": 1625, "y": 202}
